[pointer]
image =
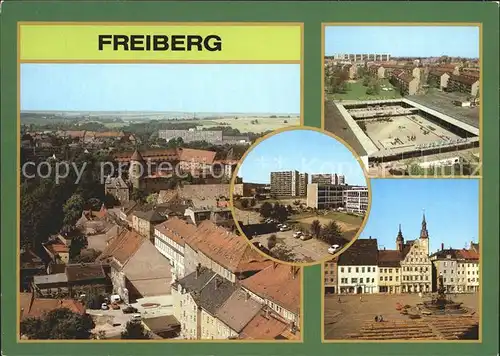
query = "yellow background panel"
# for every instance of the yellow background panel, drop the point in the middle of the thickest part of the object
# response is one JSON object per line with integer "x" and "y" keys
{"x": 79, "y": 42}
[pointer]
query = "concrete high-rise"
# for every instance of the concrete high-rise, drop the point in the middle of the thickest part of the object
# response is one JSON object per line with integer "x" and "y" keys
{"x": 289, "y": 184}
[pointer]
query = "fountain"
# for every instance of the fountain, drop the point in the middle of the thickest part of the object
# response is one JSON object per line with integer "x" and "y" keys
{"x": 441, "y": 304}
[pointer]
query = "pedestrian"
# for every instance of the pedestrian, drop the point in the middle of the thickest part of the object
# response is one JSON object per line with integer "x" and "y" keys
{"x": 361, "y": 298}
{"x": 339, "y": 300}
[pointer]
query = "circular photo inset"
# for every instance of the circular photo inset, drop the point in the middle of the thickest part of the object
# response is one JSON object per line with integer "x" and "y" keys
{"x": 300, "y": 196}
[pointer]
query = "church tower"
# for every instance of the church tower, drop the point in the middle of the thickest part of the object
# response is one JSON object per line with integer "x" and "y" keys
{"x": 137, "y": 170}
{"x": 424, "y": 235}
{"x": 400, "y": 241}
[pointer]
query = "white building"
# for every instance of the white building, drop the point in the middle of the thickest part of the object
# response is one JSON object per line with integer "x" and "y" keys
{"x": 170, "y": 239}
{"x": 356, "y": 199}
{"x": 358, "y": 268}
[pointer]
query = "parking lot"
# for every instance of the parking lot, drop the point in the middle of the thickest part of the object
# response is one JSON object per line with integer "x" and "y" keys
{"x": 150, "y": 307}
{"x": 303, "y": 251}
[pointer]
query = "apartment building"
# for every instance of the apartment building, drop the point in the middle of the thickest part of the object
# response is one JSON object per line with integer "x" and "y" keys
{"x": 389, "y": 271}
{"x": 337, "y": 179}
{"x": 438, "y": 78}
{"x": 405, "y": 81}
{"x": 459, "y": 268}
{"x": 358, "y": 268}
{"x": 360, "y": 57}
{"x": 170, "y": 239}
{"x": 288, "y": 184}
{"x": 356, "y": 199}
{"x": 464, "y": 84}
{"x": 325, "y": 196}
{"x": 191, "y": 135}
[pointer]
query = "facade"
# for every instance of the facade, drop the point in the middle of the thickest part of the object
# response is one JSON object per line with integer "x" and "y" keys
{"x": 170, "y": 238}
{"x": 144, "y": 222}
{"x": 416, "y": 266}
{"x": 336, "y": 179}
{"x": 439, "y": 78}
{"x": 407, "y": 83}
{"x": 389, "y": 270}
{"x": 288, "y": 183}
{"x": 459, "y": 268}
{"x": 363, "y": 57}
{"x": 117, "y": 187}
{"x": 325, "y": 196}
{"x": 303, "y": 181}
{"x": 464, "y": 84}
{"x": 356, "y": 199}
{"x": 192, "y": 135}
{"x": 330, "y": 276}
{"x": 358, "y": 268}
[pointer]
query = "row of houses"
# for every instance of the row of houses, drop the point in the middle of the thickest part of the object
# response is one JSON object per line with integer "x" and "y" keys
{"x": 363, "y": 268}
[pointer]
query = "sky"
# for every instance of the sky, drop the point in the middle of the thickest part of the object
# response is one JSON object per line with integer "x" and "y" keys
{"x": 215, "y": 88}
{"x": 306, "y": 151}
{"x": 451, "y": 211}
{"x": 401, "y": 41}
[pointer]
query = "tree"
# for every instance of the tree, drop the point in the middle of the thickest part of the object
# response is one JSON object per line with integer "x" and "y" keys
{"x": 266, "y": 210}
{"x": 152, "y": 198}
{"x": 93, "y": 298}
{"x": 279, "y": 212}
{"x": 315, "y": 228}
{"x": 72, "y": 210}
{"x": 244, "y": 203}
{"x": 271, "y": 241}
{"x": 94, "y": 204}
{"x": 78, "y": 243}
{"x": 331, "y": 232}
{"x": 138, "y": 195}
{"x": 60, "y": 324}
{"x": 135, "y": 330}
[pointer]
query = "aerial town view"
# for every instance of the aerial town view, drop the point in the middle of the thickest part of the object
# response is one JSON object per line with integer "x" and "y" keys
{"x": 414, "y": 273}
{"x": 410, "y": 104}
{"x": 125, "y": 226}
{"x": 300, "y": 206}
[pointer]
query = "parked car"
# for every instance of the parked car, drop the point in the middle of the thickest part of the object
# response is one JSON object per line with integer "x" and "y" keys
{"x": 333, "y": 248}
{"x": 306, "y": 237}
{"x": 129, "y": 310}
{"x": 297, "y": 234}
{"x": 284, "y": 228}
{"x": 137, "y": 317}
{"x": 104, "y": 306}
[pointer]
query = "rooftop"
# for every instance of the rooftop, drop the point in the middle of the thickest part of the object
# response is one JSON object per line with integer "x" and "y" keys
{"x": 363, "y": 252}
{"x": 81, "y": 272}
{"x": 176, "y": 229}
{"x": 37, "y": 307}
{"x": 238, "y": 310}
{"x": 279, "y": 283}
{"x": 264, "y": 327}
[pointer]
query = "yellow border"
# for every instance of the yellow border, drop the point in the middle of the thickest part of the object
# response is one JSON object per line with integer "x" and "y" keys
{"x": 308, "y": 128}
{"x": 421, "y": 24}
{"x": 19, "y": 62}
{"x": 480, "y": 178}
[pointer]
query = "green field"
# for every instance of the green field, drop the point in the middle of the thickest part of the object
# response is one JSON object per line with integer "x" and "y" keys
{"x": 349, "y": 224}
{"x": 358, "y": 92}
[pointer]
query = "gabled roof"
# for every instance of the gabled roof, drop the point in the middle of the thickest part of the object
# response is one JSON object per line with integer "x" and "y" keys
{"x": 136, "y": 156}
{"x": 152, "y": 216}
{"x": 264, "y": 327}
{"x": 464, "y": 79}
{"x": 389, "y": 258}
{"x": 82, "y": 272}
{"x": 122, "y": 247}
{"x": 37, "y": 307}
{"x": 227, "y": 249}
{"x": 278, "y": 283}
{"x": 238, "y": 310}
{"x": 202, "y": 156}
{"x": 177, "y": 229}
{"x": 363, "y": 252}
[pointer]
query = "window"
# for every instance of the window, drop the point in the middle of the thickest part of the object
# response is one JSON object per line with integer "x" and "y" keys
{"x": 397, "y": 279}
{"x": 369, "y": 269}
{"x": 445, "y": 264}
{"x": 444, "y": 280}
{"x": 342, "y": 269}
{"x": 385, "y": 278}
{"x": 381, "y": 278}
{"x": 373, "y": 280}
{"x": 349, "y": 270}
{"x": 354, "y": 280}
{"x": 390, "y": 270}
{"x": 357, "y": 269}
{"x": 361, "y": 280}
{"x": 362, "y": 270}
{"x": 390, "y": 278}
{"x": 444, "y": 271}
{"x": 451, "y": 280}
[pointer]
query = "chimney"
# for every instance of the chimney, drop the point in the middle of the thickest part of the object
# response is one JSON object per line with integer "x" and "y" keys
{"x": 267, "y": 313}
{"x": 198, "y": 267}
{"x": 247, "y": 297}
{"x": 442, "y": 246}
{"x": 370, "y": 237}
{"x": 293, "y": 328}
{"x": 217, "y": 281}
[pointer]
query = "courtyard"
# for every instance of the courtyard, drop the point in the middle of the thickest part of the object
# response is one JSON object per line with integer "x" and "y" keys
{"x": 350, "y": 315}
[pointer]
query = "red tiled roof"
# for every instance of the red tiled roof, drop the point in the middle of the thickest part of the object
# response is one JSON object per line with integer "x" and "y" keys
{"x": 36, "y": 307}
{"x": 468, "y": 254}
{"x": 464, "y": 79}
{"x": 278, "y": 283}
{"x": 177, "y": 229}
{"x": 389, "y": 258}
{"x": 122, "y": 247}
{"x": 263, "y": 327}
{"x": 202, "y": 156}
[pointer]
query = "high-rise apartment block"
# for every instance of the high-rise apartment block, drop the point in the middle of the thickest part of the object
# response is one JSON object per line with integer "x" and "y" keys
{"x": 289, "y": 184}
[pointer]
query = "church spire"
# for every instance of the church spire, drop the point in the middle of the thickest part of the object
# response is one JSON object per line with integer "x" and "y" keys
{"x": 424, "y": 234}
{"x": 400, "y": 240}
